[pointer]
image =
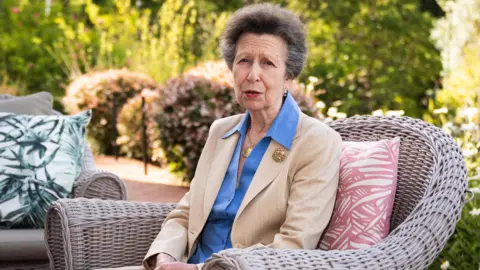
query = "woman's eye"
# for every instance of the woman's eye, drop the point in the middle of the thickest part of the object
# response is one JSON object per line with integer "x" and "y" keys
{"x": 243, "y": 60}
{"x": 270, "y": 63}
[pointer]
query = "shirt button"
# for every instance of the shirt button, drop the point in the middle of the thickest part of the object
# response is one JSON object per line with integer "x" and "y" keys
{"x": 192, "y": 232}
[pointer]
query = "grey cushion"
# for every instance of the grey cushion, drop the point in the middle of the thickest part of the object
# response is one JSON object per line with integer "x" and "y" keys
{"x": 22, "y": 245}
{"x": 36, "y": 104}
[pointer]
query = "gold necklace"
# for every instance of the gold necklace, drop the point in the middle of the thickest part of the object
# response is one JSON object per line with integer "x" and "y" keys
{"x": 248, "y": 151}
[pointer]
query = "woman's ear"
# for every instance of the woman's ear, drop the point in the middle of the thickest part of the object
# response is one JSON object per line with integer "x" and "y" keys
{"x": 288, "y": 84}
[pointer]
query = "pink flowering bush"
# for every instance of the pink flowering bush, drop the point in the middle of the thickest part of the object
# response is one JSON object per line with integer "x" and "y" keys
{"x": 189, "y": 105}
{"x": 98, "y": 91}
{"x": 129, "y": 128}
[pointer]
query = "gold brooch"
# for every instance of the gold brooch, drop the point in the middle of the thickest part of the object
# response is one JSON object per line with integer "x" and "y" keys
{"x": 279, "y": 155}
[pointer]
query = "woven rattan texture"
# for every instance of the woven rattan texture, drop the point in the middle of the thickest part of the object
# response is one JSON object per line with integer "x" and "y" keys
{"x": 89, "y": 234}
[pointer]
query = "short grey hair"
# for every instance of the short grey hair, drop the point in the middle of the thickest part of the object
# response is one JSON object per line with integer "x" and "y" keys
{"x": 267, "y": 19}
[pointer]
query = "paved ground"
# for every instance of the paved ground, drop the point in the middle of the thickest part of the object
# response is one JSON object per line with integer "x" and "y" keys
{"x": 158, "y": 186}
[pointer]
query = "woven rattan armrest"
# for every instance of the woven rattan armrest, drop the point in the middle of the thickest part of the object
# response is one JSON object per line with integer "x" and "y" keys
{"x": 97, "y": 183}
{"x": 92, "y": 233}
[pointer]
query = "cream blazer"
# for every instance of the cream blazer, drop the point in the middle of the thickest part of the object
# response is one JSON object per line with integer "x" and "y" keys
{"x": 288, "y": 203}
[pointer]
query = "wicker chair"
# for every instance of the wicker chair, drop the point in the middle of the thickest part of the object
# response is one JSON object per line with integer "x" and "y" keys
{"x": 91, "y": 183}
{"x": 89, "y": 234}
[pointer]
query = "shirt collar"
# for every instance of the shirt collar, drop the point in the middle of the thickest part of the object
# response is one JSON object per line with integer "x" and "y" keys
{"x": 283, "y": 128}
{"x": 241, "y": 127}
{"x": 285, "y": 125}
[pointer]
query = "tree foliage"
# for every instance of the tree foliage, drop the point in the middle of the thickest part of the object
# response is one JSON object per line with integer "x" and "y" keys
{"x": 370, "y": 55}
{"x": 25, "y": 30}
{"x": 367, "y": 55}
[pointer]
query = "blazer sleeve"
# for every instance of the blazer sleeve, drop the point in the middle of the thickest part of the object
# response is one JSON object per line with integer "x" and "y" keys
{"x": 173, "y": 236}
{"x": 313, "y": 190}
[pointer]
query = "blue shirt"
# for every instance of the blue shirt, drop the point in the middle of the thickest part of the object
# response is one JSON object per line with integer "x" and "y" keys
{"x": 215, "y": 236}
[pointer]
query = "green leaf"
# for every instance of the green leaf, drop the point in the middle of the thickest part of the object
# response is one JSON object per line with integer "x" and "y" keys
{"x": 48, "y": 159}
{"x": 37, "y": 147}
{"x": 17, "y": 215}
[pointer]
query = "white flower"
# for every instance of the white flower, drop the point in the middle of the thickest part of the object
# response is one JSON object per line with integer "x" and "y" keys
{"x": 445, "y": 265}
{"x": 475, "y": 212}
{"x": 337, "y": 103}
{"x": 441, "y": 110}
{"x": 468, "y": 152}
{"x": 395, "y": 113}
{"x": 332, "y": 111}
{"x": 341, "y": 115}
{"x": 448, "y": 125}
{"x": 377, "y": 113}
{"x": 475, "y": 190}
{"x": 470, "y": 112}
{"x": 468, "y": 127}
{"x": 320, "y": 104}
{"x": 313, "y": 79}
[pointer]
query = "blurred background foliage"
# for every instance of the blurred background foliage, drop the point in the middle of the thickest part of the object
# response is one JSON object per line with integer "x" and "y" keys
{"x": 419, "y": 58}
{"x": 371, "y": 55}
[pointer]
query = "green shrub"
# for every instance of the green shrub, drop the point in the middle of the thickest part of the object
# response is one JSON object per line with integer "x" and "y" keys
{"x": 97, "y": 91}
{"x": 358, "y": 51}
{"x": 26, "y": 30}
{"x": 191, "y": 103}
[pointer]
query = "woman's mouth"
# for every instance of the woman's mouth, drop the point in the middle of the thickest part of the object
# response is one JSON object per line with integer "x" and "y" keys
{"x": 252, "y": 94}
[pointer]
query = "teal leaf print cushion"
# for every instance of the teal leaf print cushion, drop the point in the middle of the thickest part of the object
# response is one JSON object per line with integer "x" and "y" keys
{"x": 40, "y": 158}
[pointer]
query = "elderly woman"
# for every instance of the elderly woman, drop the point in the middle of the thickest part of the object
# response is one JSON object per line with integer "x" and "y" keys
{"x": 267, "y": 177}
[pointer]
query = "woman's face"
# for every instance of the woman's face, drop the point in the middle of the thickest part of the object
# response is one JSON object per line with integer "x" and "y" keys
{"x": 259, "y": 72}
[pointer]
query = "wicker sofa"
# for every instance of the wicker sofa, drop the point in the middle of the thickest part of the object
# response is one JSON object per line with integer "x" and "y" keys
{"x": 432, "y": 182}
{"x": 22, "y": 249}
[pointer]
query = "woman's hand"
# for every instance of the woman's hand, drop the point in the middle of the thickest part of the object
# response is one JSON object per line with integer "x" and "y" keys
{"x": 176, "y": 266}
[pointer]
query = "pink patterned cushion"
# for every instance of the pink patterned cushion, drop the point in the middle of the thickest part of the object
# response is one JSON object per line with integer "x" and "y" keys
{"x": 365, "y": 196}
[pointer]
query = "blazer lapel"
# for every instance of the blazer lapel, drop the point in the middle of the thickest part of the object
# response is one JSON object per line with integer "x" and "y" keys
{"x": 223, "y": 155}
{"x": 265, "y": 174}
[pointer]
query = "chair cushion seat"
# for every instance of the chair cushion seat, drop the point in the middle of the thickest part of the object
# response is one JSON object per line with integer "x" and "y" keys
{"x": 22, "y": 245}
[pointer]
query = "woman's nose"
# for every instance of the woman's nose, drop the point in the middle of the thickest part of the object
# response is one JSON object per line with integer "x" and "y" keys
{"x": 254, "y": 74}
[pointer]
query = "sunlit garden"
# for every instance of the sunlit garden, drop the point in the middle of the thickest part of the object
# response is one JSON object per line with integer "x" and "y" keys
{"x": 152, "y": 74}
